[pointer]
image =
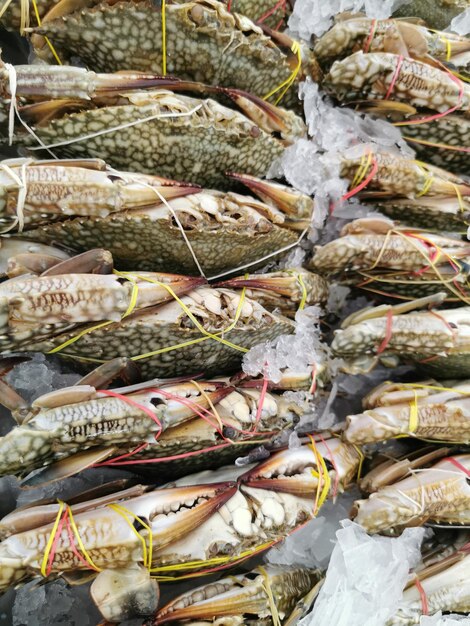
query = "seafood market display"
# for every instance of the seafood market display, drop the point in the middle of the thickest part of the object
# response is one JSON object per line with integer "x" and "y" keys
{"x": 235, "y": 312}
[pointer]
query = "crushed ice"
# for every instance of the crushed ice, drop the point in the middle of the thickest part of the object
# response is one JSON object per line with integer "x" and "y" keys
{"x": 360, "y": 569}
{"x": 461, "y": 23}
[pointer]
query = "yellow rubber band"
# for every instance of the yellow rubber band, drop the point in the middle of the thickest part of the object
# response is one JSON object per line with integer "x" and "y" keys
{"x": 80, "y": 542}
{"x": 361, "y": 460}
{"x": 124, "y": 512}
{"x": 366, "y": 160}
{"x": 322, "y": 490}
{"x": 285, "y": 85}
{"x": 50, "y": 541}
{"x": 164, "y": 37}
{"x": 269, "y": 592}
{"x": 304, "y": 292}
{"x": 51, "y": 47}
{"x": 77, "y": 337}
{"x": 414, "y": 417}
{"x": 219, "y": 560}
{"x": 207, "y": 335}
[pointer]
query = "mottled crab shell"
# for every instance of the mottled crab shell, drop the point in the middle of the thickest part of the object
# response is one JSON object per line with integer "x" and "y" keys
{"x": 201, "y": 142}
{"x": 271, "y": 13}
{"x": 436, "y": 13}
{"x": 167, "y": 326}
{"x": 204, "y": 42}
{"x": 225, "y": 230}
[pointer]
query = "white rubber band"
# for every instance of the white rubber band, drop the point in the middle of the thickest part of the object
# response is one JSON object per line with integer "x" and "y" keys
{"x": 158, "y": 116}
{"x": 22, "y": 191}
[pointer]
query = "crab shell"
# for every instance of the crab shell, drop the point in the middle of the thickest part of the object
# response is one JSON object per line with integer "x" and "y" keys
{"x": 182, "y": 349}
{"x": 440, "y": 493}
{"x": 435, "y": 13}
{"x": 204, "y": 42}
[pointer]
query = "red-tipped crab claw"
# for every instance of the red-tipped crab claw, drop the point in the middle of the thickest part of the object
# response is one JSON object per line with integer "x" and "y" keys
{"x": 297, "y": 470}
{"x": 268, "y": 116}
{"x": 290, "y": 201}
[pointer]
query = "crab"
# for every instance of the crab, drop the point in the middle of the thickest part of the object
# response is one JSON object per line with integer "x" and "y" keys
{"x": 410, "y": 39}
{"x": 403, "y": 188}
{"x": 429, "y": 410}
{"x": 208, "y": 327}
{"x": 435, "y": 340}
{"x": 102, "y": 529}
{"x": 148, "y": 225}
{"x": 232, "y": 598}
{"x": 134, "y": 122}
{"x": 379, "y": 256}
{"x": 401, "y": 89}
{"x": 424, "y": 491}
{"x": 201, "y": 41}
{"x": 132, "y": 536}
{"x": 172, "y": 427}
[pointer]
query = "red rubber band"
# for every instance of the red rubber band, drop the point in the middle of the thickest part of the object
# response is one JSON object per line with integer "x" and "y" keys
{"x": 394, "y": 77}
{"x": 457, "y": 464}
{"x": 422, "y": 595}
{"x": 373, "y": 29}
{"x": 388, "y": 332}
{"x": 55, "y": 542}
{"x": 278, "y": 5}
{"x": 437, "y": 116}
{"x": 143, "y": 408}
{"x": 365, "y": 182}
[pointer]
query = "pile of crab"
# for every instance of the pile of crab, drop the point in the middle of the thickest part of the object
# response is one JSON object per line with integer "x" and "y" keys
{"x": 150, "y": 244}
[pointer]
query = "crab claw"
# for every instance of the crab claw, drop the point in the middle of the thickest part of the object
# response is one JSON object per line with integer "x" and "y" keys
{"x": 292, "y": 202}
{"x": 240, "y": 595}
{"x": 296, "y": 471}
{"x": 268, "y": 117}
{"x": 175, "y": 404}
{"x": 76, "y": 82}
{"x": 174, "y": 512}
{"x": 236, "y": 595}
